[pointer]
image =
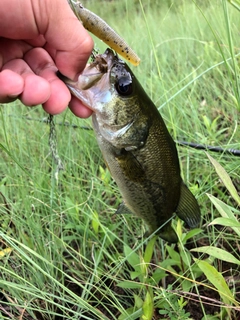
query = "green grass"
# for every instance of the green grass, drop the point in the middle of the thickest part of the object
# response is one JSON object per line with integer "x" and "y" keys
{"x": 71, "y": 257}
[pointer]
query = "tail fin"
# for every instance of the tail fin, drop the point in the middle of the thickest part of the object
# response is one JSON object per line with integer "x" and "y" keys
{"x": 188, "y": 208}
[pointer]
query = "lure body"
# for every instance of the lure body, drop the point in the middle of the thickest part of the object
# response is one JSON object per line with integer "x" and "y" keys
{"x": 104, "y": 32}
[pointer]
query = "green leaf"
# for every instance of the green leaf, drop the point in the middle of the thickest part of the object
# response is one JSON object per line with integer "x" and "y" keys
{"x": 223, "y": 175}
{"x": 218, "y": 253}
{"x": 148, "y": 306}
{"x": 158, "y": 275}
{"x": 129, "y": 285}
{"x": 186, "y": 285}
{"x": 132, "y": 258}
{"x": 95, "y": 222}
{"x": 169, "y": 262}
{"x": 135, "y": 274}
{"x": 130, "y": 314}
{"x": 224, "y": 210}
{"x": 192, "y": 233}
{"x": 173, "y": 254}
{"x": 149, "y": 250}
{"x": 138, "y": 301}
{"x": 227, "y": 222}
{"x": 217, "y": 280}
{"x": 186, "y": 257}
{"x": 71, "y": 208}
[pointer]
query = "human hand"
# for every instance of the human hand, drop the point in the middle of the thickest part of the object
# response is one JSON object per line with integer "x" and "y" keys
{"x": 37, "y": 38}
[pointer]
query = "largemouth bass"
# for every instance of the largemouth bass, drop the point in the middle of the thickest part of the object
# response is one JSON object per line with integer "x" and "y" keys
{"x": 136, "y": 145}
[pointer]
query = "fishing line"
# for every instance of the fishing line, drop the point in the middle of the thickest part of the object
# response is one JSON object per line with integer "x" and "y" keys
{"x": 198, "y": 146}
{"x": 53, "y": 146}
{"x": 46, "y": 120}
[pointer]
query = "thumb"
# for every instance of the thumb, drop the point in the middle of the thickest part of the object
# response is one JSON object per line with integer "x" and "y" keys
{"x": 67, "y": 41}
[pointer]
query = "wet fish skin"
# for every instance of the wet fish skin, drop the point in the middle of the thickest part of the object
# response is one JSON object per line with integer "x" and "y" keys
{"x": 136, "y": 145}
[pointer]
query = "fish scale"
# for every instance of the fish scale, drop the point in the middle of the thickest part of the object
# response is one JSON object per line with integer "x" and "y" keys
{"x": 136, "y": 145}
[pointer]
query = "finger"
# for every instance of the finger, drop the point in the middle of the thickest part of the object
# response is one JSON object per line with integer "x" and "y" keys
{"x": 79, "y": 109}
{"x": 17, "y": 19}
{"x": 42, "y": 64}
{"x": 35, "y": 89}
{"x": 60, "y": 95}
{"x": 12, "y": 49}
{"x": 68, "y": 42}
{"x": 11, "y": 86}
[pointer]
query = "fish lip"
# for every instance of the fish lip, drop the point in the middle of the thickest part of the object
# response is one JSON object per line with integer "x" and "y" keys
{"x": 110, "y": 57}
{"x": 86, "y": 88}
{"x": 92, "y": 74}
{"x": 61, "y": 76}
{"x": 103, "y": 63}
{"x": 74, "y": 89}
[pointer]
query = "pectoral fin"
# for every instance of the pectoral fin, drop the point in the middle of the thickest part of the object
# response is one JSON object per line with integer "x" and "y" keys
{"x": 123, "y": 209}
{"x": 130, "y": 166}
{"x": 188, "y": 209}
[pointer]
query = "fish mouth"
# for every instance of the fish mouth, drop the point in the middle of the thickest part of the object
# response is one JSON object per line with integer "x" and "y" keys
{"x": 93, "y": 82}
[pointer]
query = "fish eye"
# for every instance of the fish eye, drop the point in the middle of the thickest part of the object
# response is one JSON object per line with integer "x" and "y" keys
{"x": 124, "y": 86}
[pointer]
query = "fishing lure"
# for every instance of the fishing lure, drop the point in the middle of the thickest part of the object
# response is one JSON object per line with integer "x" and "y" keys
{"x": 104, "y": 32}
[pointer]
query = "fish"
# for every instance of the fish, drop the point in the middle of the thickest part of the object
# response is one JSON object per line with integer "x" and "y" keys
{"x": 104, "y": 32}
{"x": 136, "y": 145}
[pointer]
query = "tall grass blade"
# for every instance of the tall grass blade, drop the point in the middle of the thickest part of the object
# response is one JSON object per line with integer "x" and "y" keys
{"x": 226, "y": 180}
{"x": 225, "y": 211}
{"x": 218, "y": 253}
{"x": 218, "y": 281}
